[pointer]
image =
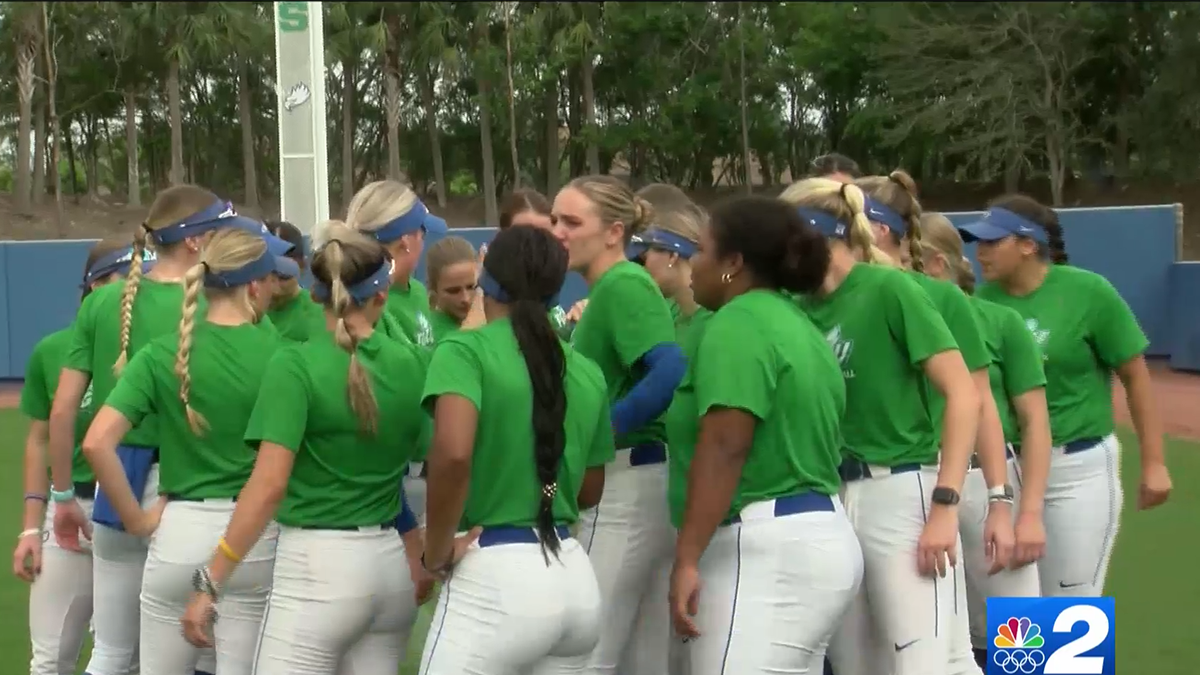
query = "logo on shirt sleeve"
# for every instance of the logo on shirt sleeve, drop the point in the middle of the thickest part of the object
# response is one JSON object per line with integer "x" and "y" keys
{"x": 86, "y": 402}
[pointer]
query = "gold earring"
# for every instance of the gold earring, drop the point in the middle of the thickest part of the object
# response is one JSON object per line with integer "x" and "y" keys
{"x": 726, "y": 278}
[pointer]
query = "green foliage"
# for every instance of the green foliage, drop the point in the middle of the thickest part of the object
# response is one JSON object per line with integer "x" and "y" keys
{"x": 963, "y": 91}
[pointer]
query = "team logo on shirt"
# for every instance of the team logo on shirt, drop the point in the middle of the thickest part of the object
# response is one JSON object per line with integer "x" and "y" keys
{"x": 86, "y": 402}
{"x": 842, "y": 349}
{"x": 424, "y": 331}
{"x": 559, "y": 317}
{"x": 1040, "y": 335}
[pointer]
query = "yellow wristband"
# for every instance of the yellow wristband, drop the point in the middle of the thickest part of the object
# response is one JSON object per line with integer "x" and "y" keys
{"x": 226, "y": 551}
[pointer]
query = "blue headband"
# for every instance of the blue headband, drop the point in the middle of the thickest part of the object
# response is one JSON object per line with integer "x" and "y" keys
{"x": 220, "y": 214}
{"x": 363, "y": 290}
{"x": 823, "y": 222}
{"x": 999, "y": 223}
{"x": 492, "y": 289}
{"x": 882, "y": 213}
{"x": 417, "y": 218}
{"x": 656, "y": 238}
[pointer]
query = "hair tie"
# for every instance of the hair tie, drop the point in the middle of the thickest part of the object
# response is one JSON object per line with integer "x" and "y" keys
{"x": 842, "y": 191}
{"x": 205, "y": 265}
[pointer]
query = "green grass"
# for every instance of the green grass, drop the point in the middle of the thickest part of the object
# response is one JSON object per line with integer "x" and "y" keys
{"x": 1153, "y": 574}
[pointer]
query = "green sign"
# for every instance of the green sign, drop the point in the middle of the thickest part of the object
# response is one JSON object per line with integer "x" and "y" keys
{"x": 293, "y": 17}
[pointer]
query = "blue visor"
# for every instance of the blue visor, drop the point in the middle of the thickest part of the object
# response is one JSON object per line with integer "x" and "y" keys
{"x": 417, "y": 218}
{"x": 999, "y": 223}
{"x": 116, "y": 262}
{"x": 661, "y": 240}
{"x": 492, "y": 289}
{"x": 217, "y": 216}
{"x": 824, "y": 223}
{"x": 879, "y": 212}
{"x": 379, "y": 281}
{"x": 266, "y": 264}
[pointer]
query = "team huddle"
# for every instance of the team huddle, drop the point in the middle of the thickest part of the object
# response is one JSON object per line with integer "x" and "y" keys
{"x": 784, "y": 435}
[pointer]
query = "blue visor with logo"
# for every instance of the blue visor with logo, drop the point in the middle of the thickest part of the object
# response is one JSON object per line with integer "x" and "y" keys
{"x": 266, "y": 264}
{"x": 662, "y": 240}
{"x": 824, "y": 223}
{"x": 879, "y": 212}
{"x": 999, "y": 223}
{"x": 280, "y": 248}
{"x": 116, "y": 262}
{"x": 220, "y": 214}
{"x": 379, "y": 281}
{"x": 417, "y": 218}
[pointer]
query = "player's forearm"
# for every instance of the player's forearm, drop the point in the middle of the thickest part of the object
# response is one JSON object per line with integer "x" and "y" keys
{"x": 1035, "y": 449}
{"x": 1146, "y": 421}
{"x": 712, "y": 482}
{"x": 960, "y": 422}
{"x": 112, "y": 479}
{"x": 60, "y": 447}
{"x": 445, "y": 498}
{"x": 256, "y": 507}
{"x": 36, "y": 482}
{"x": 993, "y": 459}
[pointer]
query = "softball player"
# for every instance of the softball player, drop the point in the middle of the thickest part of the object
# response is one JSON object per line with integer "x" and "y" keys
{"x": 292, "y": 310}
{"x": 522, "y": 597}
{"x": 895, "y": 216}
{"x": 177, "y": 226}
{"x": 889, "y": 339}
{"x": 836, "y": 167}
{"x": 452, "y": 270}
{"x": 761, "y": 523}
{"x": 627, "y": 330}
{"x": 60, "y": 597}
{"x": 329, "y": 459}
{"x": 202, "y": 384}
{"x": 525, "y": 207}
{"x": 1085, "y": 332}
{"x": 1018, "y": 384}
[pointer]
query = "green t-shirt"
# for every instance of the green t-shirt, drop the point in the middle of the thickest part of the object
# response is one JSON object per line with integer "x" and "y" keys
{"x": 626, "y": 317}
{"x": 97, "y": 339}
{"x": 342, "y": 477}
{"x": 298, "y": 317}
{"x": 1085, "y": 331}
{"x": 681, "y": 419}
{"x": 409, "y": 305}
{"x": 37, "y": 394}
{"x": 226, "y": 366}
{"x": 1016, "y": 362}
{"x": 761, "y": 355}
{"x": 442, "y": 324}
{"x": 960, "y": 318}
{"x": 486, "y": 367}
{"x": 882, "y": 327}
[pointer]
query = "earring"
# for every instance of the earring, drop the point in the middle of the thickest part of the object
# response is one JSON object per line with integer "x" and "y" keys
{"x": 670, "y": 265}
{"x": 726, "y": 278}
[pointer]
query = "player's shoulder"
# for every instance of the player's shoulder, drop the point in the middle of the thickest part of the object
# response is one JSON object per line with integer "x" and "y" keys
{"x": 584, "y": 369}
{"x": 623, "y": 279}
{"x": 54, "y": 342}
{"x": 103, "y": 299}
{"x": 1069, "y": 277}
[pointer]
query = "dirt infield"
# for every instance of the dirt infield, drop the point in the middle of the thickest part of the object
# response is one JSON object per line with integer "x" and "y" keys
{"x": 1178, "y": 396}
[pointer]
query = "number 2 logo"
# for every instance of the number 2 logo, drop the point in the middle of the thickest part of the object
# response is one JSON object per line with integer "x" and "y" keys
{"x": 1066, "y": 660}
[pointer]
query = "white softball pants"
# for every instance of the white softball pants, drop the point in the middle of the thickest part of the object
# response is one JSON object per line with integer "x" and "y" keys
{"x": 60, "y": 603}
{"x": 1082, "y": 516}
{"x": 775, "y": 588}
{"x": 631, "y": 544}
{"x": 900, "y": 622}
{"x": 185, "y": 540}
{"x": 506, "y": 611}
{"x": 342, "y": 602}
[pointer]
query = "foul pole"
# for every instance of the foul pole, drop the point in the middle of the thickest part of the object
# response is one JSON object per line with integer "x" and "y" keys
{"x": 300, "y": 88}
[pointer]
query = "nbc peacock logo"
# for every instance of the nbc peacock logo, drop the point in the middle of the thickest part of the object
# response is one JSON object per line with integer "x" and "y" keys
{"x": 1019, "y": 643}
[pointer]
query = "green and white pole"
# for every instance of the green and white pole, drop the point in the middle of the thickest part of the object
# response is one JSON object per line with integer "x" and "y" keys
{"x": 300, "y": 82}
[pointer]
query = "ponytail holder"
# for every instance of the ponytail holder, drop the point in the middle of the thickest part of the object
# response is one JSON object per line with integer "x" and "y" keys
{"x": 842, "y": 190}
{"x": 146, "y": 227}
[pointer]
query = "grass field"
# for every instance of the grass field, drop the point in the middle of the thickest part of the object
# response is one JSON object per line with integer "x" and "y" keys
{"x": 1154, "y": 574}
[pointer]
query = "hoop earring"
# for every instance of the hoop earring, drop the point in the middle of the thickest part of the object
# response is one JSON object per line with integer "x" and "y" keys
{"x": 726, "y": 278}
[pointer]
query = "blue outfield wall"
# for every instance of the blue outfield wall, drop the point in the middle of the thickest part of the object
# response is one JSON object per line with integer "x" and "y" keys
{"x": 1136, "y": 248}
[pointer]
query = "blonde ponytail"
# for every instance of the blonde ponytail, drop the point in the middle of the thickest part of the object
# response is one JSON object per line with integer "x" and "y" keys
{"x": 358, "y": 382}
{"x": 132, "y": 280}
{"x": 193, "y": 284}
{"x": 861, "y": 237}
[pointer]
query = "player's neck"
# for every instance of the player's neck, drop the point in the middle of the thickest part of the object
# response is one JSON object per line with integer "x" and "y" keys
{"x": 602, "y": 264}
{"x": 1027, "y": 280}
{"x": 841, "y": 261}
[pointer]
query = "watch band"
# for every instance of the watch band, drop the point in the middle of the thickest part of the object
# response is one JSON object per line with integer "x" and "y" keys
{"x": 58, "y": 496}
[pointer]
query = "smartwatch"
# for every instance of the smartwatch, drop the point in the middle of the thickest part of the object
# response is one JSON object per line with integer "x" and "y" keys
{"x": 1001, "y": 493}
{"x": 945, "y": 496}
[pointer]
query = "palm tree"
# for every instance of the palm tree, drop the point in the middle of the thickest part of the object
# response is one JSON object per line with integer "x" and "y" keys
{"x": 25, "y": 17}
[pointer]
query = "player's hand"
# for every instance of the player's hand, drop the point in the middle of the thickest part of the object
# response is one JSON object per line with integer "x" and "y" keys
{"x": 685, "y": 599}
{"x": 148, "y": 522}
{"x": 1155, "y": 487}
{"x": 70, "y": 525}
{"x": 936, "y": 549}
{"x": 198, "y": 620}
{"x": 27, "y": 557}
{"x": 576, "y": 312}
{"x": 423, "y": 581}
{"x": 1030, "y": 535}
{"x": 998, "y": 537}
{"x": 475, "y": 316}
{"x": 462, "y": 544}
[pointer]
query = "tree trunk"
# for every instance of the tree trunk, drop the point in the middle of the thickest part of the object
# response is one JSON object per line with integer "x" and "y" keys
{"x": 91, "y": 157}
{"x": 746, "y": 168}
{"x": 490, "y": 208}
{"x": 175, "y": 110}
{"x": 51, "y": 85}
{"x": 133, "y": 194}
{"x": 72, "y": 164}
{"x": 39, "y": 150}
{"x": 435, "y": 134}
{"x": 391, "y": 81}
{"x": 348, "y": 92}
{"x": 26, "y": 57}
{"x": 589, "y": 113}
{"x": 550, "y": 110}
{"x": 512, "y": 98}
{"x": 246, "y": 118}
